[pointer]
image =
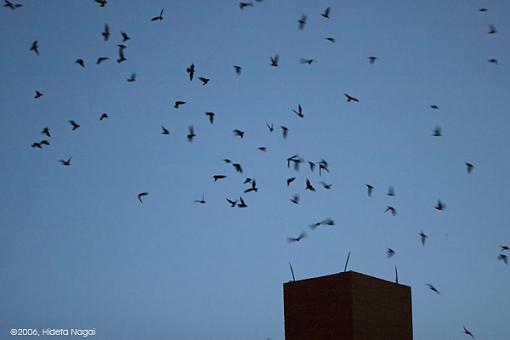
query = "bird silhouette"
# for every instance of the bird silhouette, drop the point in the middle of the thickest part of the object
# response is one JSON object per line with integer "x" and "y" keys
{"x": 391, "y": 191}
{"x": 141, "y": 195}
{"x": 38, "y": 94}
{"x": 492, "y": 29}
{"x": 131, "y": 78}
{"x": 504, "y": 248}
{"x": 179, "y": 103}
{"x": 125, "y": 37}
{"x": 252, "y": 188}
{"x": 299, "y": 111}
{"x": 80, "y": 62}
{"x": 46, "y": 131}
{"x": 262, "y": 148}
{"x": 237, "y": 167}
{"x": 238, "y": 133}
{"x": 482, "y": 10}
{"x": 302, "y": 22}
{"x": 503, "y": 257}
{"x": 391, "y": 209}
{"x": 326, "y": 12}
{"x": 39, "y": 145}
{"x": 164, "y": 130}
{"x": 270, "y": 127}
{"x": 323, "y": 166}
{"x": 122, "y": 57}
{"x": 312, "y": 166}
{"x": 241, "y": 203}
{"x": 159, "y": 17}
{"x": 191, "y": 133}
{"x": 330, "y": 39}
{"x": 11, "y": 5}
{"x": 440, "y": 205}
{"x": 296, "y": 239}
{"x": 243, "y": 5}
{"x": 204, "y": 80}
{"x": 307, "y": 61}
{"x": 309, "y": 185}
{"x": 290, "y": 180}
{"x": 35, "y": 47}
{"x": 104, "y": 116}
{"x": 437, "y": 131}
{"x": 423, "y": 237}
{"x": 66, "y": 162}
{"x": 210, "y": 115}
{"x": 101, "y": 3}
{"x": 74, "y": 125}
{"x": 372, "y": 60}
{"x": 106, "y": 32}
{"x": 201, "y": 201}
{"x": 432, "y": 288}
{"x": 274, "y": 60}
{"x": 238, "y": 69}
{"x": 390, "y": 252}
{"x": 468, "y": 332}
{"x": 295, "y": 199}
{"x": 285, "y": 131}
{"x": 232, "y": 203}
{"x": 101, "y": 59}
{"x": 191, "y": 71}
{"x": 469, "y": 167}
{"x": 351, "y": 98}
{"x": 218, "y": 177}
{"x": 370, "y": 189}
{"x": 434, "y": 107}
{"x": 326, "y": 185}
{"x": 493, "y": 61}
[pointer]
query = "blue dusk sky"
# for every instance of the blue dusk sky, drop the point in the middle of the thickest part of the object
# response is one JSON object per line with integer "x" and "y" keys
{"x": 79, "y": 250}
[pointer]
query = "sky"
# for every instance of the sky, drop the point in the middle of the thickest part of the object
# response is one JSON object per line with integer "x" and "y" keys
{"x": 79, "y": 250}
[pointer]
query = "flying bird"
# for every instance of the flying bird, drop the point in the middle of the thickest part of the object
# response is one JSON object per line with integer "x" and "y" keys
{"x": 434, "y": 107}
{"x": 468, "y": 332}
{"x": 106, "y": 32}
{"x": 299, "y": 111}
{"x": 40, "y": 144}
{"x": 262, "y": 148}
{"x": 101, "y": 59}
{"x": 142, "y": 194}
{"x": 104, "y": 116}
{"x": 253, "y": 187}
{"x": 191, "y": 133}
{"x": 241, "y": 204}
{"x": 370, "y": 189}
{"x": 391, "y": 209}
{"x": 437, "y": 132}
{"x": 238, "y": 167}
{"x": 296, "y": 239}
{"x": 159, "y": 17}
{"x": 35, "y": 47}
{"x": 217, "y": 177}
{"x": 326, "y": 185}
{"x": 11, "y": 5}
{"x": 307, "y": 61}
{"x": 302, "y": 22}
{"x": 80, "y": 62}
{"x": 492, "y": 29}
{"x": 242, "y": 5}
{"x": 74, "y": 125}
{"x": 210, "y": 115}
{"x": 238, "y": 133}
{"x": 390, "y": 252}
{"x": 46, "y": 131}
{"x": 503, "y": 257}
{"x": 270, "y": 127}
{"x": 309, "y": 185}
{"x": 125, "y": 37}
{"x": 432, "y": 288}
{"x": 66, "y": 162}
{"x": 101, "y": 3}
{"x": 391, "y": 191}
{"x": 238, "y": 69}
{"x": 131, "y": 78}
{"x": 505, "y": 248}
{"x": 274, "y": 60}
{"x": 440, "y": 205}
{"x": 423, "y": 237}
{"x": 493, "y": 61}
{"x": 325, "y": 14}
{"x": 38, "y": 94}
{"x": 202, "y": 201}
{"x": 232, "y": 203}
{"x": 330, "y": 39}
{"x": 204, "y": 80}
{"x": 290, "y": 180}
{"x": 351, "y": 98}
{"x": 179, "y": 103}
{"x": 122, "y": 57}
{"x": 469, "y": 167}
{"x": 191, "y": 71}
{"x": 164, "y": 130}
{"x": 295, "y": 199}
{"x": 372, "y": 60}
{"x": 285, "y": 131}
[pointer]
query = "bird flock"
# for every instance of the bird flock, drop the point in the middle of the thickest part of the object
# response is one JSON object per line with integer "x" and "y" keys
{"x": 303, "y": 181}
